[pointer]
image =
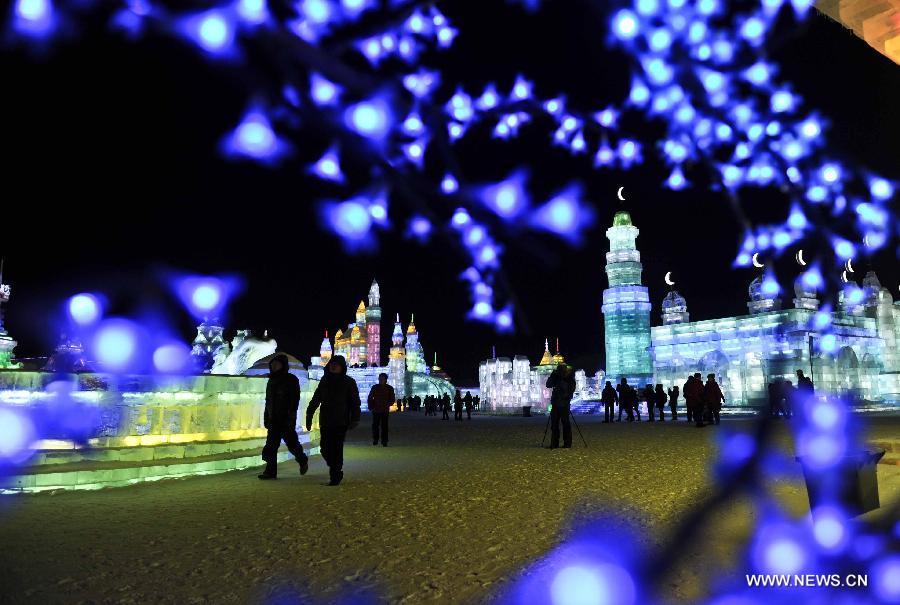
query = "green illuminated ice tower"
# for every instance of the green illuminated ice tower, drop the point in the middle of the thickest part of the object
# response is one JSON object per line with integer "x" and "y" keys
{"x": 626, "y": 307}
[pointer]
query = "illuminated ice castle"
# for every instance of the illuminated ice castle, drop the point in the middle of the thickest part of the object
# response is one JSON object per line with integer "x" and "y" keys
{"x": 506, "y": 385}
{"x": 747, "y": 352}
{"x": 360, "y": 344}
{"x": 626, "y": 306}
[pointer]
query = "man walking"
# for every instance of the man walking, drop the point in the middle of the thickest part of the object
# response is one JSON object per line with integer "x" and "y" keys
{"x": 380, "y": 398}
{"x": 280, "y": 417}
{"x": 562, "y": 381}
{"x": 338, "y": 397}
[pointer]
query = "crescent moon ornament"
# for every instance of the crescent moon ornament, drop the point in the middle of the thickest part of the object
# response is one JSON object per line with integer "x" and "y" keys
{"x": 668, "y": 278}
{"x": 800, "y": 260}
{"x": 850, "y": 265}
{"x": 619, "y": 194}
{"x": 844, "y": 277}
{"x": 756, "y": 262}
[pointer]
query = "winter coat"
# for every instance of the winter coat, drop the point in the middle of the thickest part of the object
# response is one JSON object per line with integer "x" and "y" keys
{"x": 563, "y": 388}
{"x": 712, "y": 395}
{"x": 660, "y": 398}
{"x": 338, "y": 397}
{"x": 693, "y": 391}
{"x": 609, "y": 395}
{"x": 673, "y": 396}
{"x": 282, "y": 396}
{"x": 381, "y": 397}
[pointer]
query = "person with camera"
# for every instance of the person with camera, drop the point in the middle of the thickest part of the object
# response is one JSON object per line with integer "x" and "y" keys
{"x": 562, "y": 381}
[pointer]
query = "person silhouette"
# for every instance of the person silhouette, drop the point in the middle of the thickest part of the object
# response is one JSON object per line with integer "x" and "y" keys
{"x": 380, "y": 398}
{"x": 280, "y": 417}
{"x": 338, "y": 396}
{"x": 609, "y": 398}
{"x": 562, "y": 381}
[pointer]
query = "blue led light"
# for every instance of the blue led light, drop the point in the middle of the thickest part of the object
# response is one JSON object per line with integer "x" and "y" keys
{"x": 796, "y": 219}
{"x": 713, "y": 81}
{"x": 830, "y": 173}
{"x": 647, "y": 7}
{"x": 33, "y": 17}
{"x": 370, "y": 118}
{"x": 254, "y": 138}
{"x": 812, "y": 279}
{"x": 707, "y": 7}
{"x": 171, "y": 358}
{"x": 420, "y": 227}
{"x": 753, "y": 29}
{"x": 84, "y": 309}
{"x": 816, "y": 193}
{"x": 214, "y": 31}
{"x": 770, "y": 286}
{"x": 658, "y": 71}
{"x": 507, "y": 198}
{"x": 449, "y": 184}
{"x": 482, "y": 310}
{"x": 323, "y": 91}
{"x": 697, "y": 32}
{"x": 115, "y": 344}
{"x": 881, "y": 189}
{"x": 17, "y": 434}
{"x": 676, "y": 180}
{"x": 351, "y": 220}
{"x": 810, "y": 128}
{"x": 782, "y": 101}
{"x": 328, "y": 167}
{"x": 784, "y": 555}
{"x": 504, "y": 320}
{"x": 252, "y": 11}
{"x": 474, "y": 236}
{"x": 316, "y": 11}
{"x": 605, "y": 155}
{"x": 639, "y": 94}
{"x": 460, "y": 218}
{"x": 413, "y": 125}
{"x": 521, "y": 89}
{"x": 625, "y": 25}
{"x": 843, "y": 248}
{"x": 488, "y": 99}
{"x": 660, "y": 39}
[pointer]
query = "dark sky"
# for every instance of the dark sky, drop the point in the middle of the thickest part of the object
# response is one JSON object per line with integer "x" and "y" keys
{"x": 111, "y": 178}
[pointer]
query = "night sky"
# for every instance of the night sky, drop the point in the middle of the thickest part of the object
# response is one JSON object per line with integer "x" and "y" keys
{"x": 112, "y": 180}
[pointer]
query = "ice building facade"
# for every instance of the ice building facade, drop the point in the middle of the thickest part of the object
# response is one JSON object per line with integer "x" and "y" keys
{"x": 406, "y": 367}
{"x": 507, "y": 385}
{"x": 626, "y": 306}
{"x": 770, "y": 343}
{"x": 747, "y": 352}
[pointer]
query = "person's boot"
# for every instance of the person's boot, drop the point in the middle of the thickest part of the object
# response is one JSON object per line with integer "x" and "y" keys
{"x": 270, "y": 472}
{"x": 304, "y": 464}
{"x": 336, "y": 478}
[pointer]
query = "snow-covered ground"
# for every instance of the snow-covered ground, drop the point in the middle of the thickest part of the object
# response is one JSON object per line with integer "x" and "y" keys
{"x": 450, "y": 512}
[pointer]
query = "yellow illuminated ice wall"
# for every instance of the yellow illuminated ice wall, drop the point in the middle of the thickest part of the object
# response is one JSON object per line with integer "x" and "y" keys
{"x": 151, "y": 427}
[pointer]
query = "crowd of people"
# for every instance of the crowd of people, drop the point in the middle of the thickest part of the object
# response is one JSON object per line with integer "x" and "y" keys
{"x": 337, "y": 398}
{"x": 433, "y": 404}
{"x": 702, "y": 401}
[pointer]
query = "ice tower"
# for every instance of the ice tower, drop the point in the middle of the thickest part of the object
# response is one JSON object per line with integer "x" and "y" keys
{"x": 626, "y": 307}
{"x": 373, "y": 326}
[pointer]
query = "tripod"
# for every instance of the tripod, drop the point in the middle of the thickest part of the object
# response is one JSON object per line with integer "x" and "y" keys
{"x": 577, "y": 428}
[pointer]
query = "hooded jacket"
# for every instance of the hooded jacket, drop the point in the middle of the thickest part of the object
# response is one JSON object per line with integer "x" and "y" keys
{"x": 282, "y": 395}
{"x": 337, "y": 395}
